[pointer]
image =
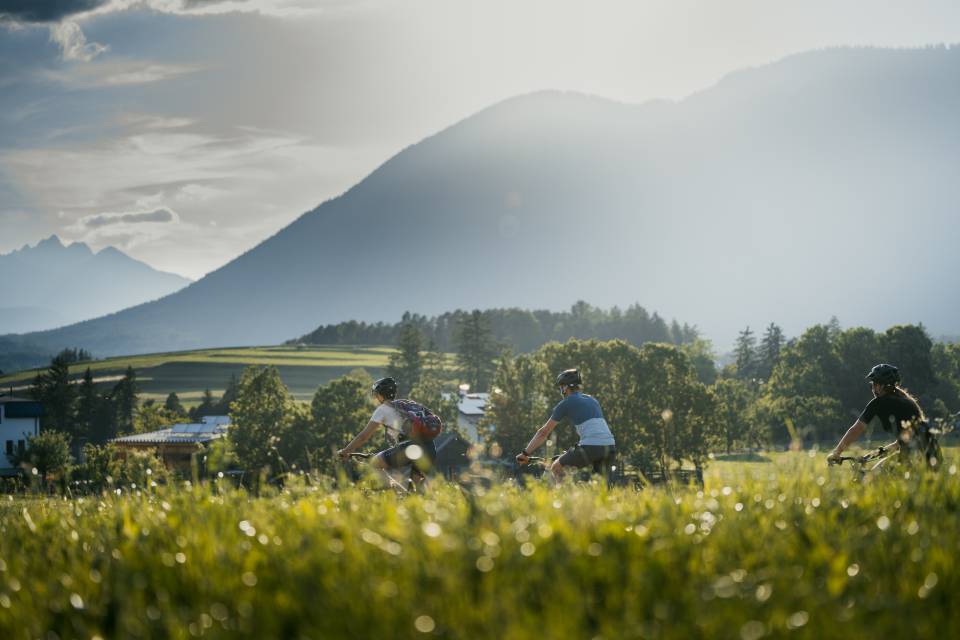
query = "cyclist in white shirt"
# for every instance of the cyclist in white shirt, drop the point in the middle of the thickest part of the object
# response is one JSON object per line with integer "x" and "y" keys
{"x": 386, "y": 416}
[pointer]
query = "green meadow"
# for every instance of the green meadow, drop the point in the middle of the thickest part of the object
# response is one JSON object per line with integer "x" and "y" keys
{"x": 781, "y": 546}
{"x": 189, "y": 373}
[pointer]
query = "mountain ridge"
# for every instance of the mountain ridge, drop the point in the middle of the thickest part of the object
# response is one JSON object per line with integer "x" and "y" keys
{"x": 51, "y": 284}
{"x": 756, "y": 199}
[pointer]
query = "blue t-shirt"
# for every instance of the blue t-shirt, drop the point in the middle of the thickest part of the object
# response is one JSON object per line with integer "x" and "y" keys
{"x": 587, "y": 417}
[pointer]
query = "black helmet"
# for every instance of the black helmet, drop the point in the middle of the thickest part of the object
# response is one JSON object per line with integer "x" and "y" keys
{"x": 387, "y": 387}
{"x": 569, "y": 378}
{"x": 885, "y": 374}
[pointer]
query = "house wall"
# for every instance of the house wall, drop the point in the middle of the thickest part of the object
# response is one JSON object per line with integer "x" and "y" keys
{"x": 468, "y": 425}
{"x": 13, "y": 431}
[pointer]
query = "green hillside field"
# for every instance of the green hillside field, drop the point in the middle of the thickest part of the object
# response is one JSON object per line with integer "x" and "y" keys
{"x": 188, "y": 373}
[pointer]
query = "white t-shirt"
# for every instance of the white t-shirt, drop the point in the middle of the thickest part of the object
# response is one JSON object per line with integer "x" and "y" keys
{"x": 390, "y": 418}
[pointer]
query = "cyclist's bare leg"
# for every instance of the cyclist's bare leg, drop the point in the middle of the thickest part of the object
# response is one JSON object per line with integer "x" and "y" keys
{"x": 379, "y": 462}
{"x": 557, "y": 471}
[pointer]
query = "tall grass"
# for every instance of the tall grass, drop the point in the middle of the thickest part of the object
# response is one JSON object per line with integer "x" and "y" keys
{"x": 788, "y": 548}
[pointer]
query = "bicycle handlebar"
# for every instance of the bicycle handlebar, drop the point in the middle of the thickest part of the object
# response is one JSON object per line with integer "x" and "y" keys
{"x": 879, "y": 453}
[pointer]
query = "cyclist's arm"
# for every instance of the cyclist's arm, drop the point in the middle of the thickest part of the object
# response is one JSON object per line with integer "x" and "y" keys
{"x": 852, "y": 435}
{"x": 541, "y": 435}
{"x": 361, "y": 438}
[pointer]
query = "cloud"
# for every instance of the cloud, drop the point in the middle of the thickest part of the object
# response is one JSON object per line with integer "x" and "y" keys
{"x": 73, "y": 44}
{"x": 45, "y": 10}
{"x": 199, "y": 4}
{"x": 117, "y": 73}
{"x": 149, "y": 73}
{"x": 100, "y": 220}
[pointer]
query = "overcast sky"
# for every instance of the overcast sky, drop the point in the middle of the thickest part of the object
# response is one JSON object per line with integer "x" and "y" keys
{"x": 184, "y": 132}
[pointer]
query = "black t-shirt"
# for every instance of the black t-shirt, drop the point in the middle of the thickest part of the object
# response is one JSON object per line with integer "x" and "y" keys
{"x": 893, "y": 411}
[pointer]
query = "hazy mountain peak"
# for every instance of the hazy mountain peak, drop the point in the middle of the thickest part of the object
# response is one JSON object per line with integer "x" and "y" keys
{"x": 53, "y": 242}
{"x": 760, "y": 199}
{"x": 51, "y": 284}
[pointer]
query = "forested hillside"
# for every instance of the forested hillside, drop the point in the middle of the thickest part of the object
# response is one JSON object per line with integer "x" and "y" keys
{"x": 519, "y": 329}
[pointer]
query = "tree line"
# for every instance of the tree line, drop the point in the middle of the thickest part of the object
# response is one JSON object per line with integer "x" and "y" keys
{"x": 520, "y": 330}
{"x": 666, "y": 403}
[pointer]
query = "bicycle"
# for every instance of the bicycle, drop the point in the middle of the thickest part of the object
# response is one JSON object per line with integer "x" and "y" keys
{"x": 413, "y": 480}
{"x": 613, "y": 474}
{"x": 860, "y": 463}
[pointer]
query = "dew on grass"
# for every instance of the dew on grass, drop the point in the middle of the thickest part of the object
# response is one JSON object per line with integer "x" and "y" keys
{"x": 883, "y": 523}
{"x": 853, "y": 570}
{"x": 753, "y": 630}
{"x": 527, "y": 549}
{"x": 424, "y": 624}
{"x": 763, "y": 592}
{"x": 484, "y": 563}
{"x": 219, "y": 611}
{"x": 393, "y": 548}
{"x": 798, "y": 619}
{"x": 725, "y": 587}
{"x": 371, "y": 537}
{"x": 432, "y": 529}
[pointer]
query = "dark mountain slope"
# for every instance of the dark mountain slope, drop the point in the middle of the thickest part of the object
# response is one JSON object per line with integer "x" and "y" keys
{"x": 823, "y": 184}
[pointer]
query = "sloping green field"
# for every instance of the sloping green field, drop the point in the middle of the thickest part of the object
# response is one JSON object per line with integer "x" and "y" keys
{"x": 188, "y": 373}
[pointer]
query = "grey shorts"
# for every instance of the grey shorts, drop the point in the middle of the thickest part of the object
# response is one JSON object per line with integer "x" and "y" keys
{"x": 599, "y": 457}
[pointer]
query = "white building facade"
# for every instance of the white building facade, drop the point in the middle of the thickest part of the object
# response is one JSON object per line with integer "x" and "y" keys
{"x": 19, "y": 421}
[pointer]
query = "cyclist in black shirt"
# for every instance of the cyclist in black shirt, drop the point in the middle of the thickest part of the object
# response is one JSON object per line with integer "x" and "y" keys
{"x": 897, "y": 411}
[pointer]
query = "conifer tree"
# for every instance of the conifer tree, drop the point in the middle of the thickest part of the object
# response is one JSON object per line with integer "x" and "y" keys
{"x": 746, "y": 354}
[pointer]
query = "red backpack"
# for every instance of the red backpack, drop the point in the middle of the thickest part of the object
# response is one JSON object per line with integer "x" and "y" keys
{"x": 418, "y": 422}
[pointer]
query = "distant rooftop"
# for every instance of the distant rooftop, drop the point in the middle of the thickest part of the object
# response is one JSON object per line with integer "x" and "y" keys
{"x": 212, "y": 428}
{"x": 473, "y": 404}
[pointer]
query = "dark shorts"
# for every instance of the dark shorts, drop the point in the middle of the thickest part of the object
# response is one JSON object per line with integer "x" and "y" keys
{"x": 599, "y": 457}
{"x": 396, "y": 456}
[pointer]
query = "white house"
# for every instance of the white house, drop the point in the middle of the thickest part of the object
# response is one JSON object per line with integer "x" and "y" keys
{"x": 471, "y": 407}
{"x": 19, "y": 420}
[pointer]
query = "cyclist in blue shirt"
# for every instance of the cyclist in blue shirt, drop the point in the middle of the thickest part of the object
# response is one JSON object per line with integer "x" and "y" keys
{"x": 596, "y": 448}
